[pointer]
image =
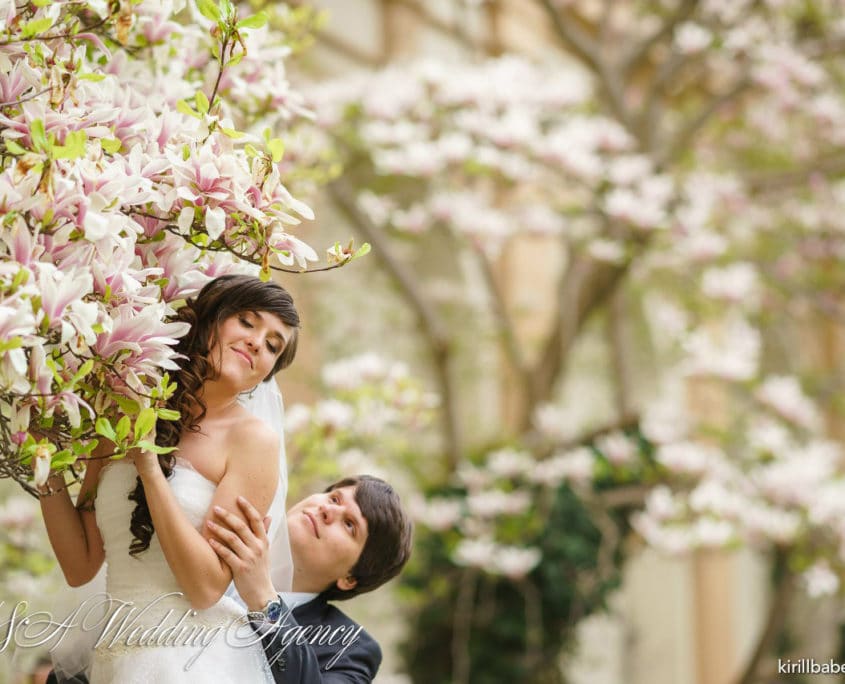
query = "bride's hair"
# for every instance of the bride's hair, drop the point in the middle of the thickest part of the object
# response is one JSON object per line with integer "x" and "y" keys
{"x": 217, "y": 301}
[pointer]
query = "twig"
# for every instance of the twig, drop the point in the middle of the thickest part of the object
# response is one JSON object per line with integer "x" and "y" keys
{"x": 25, "y": 99}
{"x": 433, "y": 328}
{"x": 507, "y": 329}
{"x": 683, "y": 138}
{"x": 533, "y": 625}
{"x": 462, "y": 626}
{"x": 584, "y": 285}
{"x": 640, "y": 52}
{"x": 588, "y": 50}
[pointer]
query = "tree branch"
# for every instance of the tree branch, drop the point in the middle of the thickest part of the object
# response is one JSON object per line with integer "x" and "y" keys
{"x": 453, "y": 30}
{"x": 584, "y": 285}
{"x": 776, "y": 181}
{"x": 588, "y": 50}
{"x": 616, "y": 340}
{"x": 433, "y": 329}
{"x": 640, "y": 52}
{"x": 684, "y": 137}
{"x": 462, "y": 626}
{"x": 347, "y": 50}
{"x": 505, "y": 325}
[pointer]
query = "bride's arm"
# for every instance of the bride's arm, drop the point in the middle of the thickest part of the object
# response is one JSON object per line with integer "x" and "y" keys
{"x": 252, "y": 468}
{"x": 73, "y": 531}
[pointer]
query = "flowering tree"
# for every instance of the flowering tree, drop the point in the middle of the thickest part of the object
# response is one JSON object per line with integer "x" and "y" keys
{"x": 681, "y": 164}
{"x": 136, "y": 162}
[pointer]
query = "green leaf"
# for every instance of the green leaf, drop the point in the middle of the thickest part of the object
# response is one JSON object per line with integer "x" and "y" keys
{"x": 208, "y": 9}
{"x": 145, "y": 422}
{"x": 277, "y": 149}
{"x": 84, "y": 369}
{"x": 96, "y": 78}
{"x": 123, "y": 427}
{"x": 14, "y": 148}
{"x": 62, "y": 458}
{"x": 362, "y": 250}
{"x": 104, "y": 428}
{"x": 129, "y": 406}
{"x": 202, "y": 102}
{"x": 255, "y": 21}
{"x": 80, "y": 448}
{"x": 232, "y": 133}
{"x": 155, "y": 448}
{"x": 39, "y": 137}
{"x": 227, "y": 8}
{"x": 185, "y": 108}
{"x": 249, "y": 148}
{"x": 13, "y": 343}
{"x": 74, "y": 146}
{"x": 36, "y": 26}
{"x": 111, "y": 145}
{"x": 235, "y": 60}
{"x": 167, "y": 414}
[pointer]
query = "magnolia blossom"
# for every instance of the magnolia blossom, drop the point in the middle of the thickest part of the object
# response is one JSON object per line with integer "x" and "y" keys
{"x": 728, "y": 349}
{"x": 491, "y": 503}
{"x": 333, "y": 414}
{"x": 515, "y": 562}
{"x": 436, "y": 513}
{"x": 734, "y": 283}
{"x": 688, "y": 458}
{"x": 115, "y": 176}
{"x": 480, "y": 553}
{"x": 783, "y": 394}
{"x": 617, "y": 448}
{"x": 509, "y": 462}
{"x": 690, "y": 37}
{"x": 819, "y": 580}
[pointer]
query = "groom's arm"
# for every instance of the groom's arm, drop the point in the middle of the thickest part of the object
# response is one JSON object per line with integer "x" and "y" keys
{"x": 354, "y": 658}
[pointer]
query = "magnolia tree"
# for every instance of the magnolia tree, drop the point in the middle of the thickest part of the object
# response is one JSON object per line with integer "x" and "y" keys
{"x": 681, "y": 162}
{"x": 136, "y": 162}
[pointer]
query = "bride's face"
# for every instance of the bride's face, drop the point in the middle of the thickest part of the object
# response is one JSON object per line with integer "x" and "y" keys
{"x": 247, "y": 346}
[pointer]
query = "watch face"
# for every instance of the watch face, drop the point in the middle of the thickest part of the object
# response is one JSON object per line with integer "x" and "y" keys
{"x": 273, "y": 611}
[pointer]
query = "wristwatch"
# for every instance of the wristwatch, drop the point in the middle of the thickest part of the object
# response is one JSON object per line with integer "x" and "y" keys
{"x": 271, "y": 612}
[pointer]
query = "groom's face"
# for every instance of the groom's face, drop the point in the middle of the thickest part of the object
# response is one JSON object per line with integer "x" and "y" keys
{"x": 327, "y": 535}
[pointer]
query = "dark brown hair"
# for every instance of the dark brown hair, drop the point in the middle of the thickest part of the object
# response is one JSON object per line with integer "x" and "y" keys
{"x": 220, "y": 299}
{"x": 389, "y": 532}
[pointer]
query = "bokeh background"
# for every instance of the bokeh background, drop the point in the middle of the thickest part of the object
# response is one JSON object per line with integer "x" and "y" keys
{"x": 596, "y": 342}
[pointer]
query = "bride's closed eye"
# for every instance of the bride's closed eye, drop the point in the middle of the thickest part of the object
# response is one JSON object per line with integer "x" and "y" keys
{"x": 273, "y": 349}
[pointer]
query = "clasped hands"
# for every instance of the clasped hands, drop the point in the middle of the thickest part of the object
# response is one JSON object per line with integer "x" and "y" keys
{"x": 245, "y": 549}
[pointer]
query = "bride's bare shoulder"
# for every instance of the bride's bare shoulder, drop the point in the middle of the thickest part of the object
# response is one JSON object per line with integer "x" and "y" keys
{"x": 253, "y": 434}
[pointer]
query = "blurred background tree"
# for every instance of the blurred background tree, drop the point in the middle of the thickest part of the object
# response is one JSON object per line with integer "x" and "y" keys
{"x": 604, "y": 231}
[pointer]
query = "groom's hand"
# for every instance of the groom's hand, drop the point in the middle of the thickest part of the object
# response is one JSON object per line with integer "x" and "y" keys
{"x": 245, "y": 549}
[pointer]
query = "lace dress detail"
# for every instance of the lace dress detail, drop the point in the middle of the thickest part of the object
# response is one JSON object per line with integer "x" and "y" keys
{"x": 149, "y": 632}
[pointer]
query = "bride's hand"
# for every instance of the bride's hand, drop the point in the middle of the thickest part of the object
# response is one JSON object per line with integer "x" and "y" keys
{"x": 146, "y": 462}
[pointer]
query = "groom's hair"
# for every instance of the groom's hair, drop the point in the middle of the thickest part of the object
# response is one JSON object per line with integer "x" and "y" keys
{"x": 389, "y": 531}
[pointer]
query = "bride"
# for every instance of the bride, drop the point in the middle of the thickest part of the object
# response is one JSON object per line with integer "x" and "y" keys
{"x": 168, "y": 617}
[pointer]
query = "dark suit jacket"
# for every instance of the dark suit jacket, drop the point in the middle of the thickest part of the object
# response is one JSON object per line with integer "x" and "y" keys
{"x": 314, "y": 644}
{"x": 317, "y": 643}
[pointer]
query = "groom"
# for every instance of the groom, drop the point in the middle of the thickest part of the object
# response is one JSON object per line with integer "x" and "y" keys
{"x": 345, "y": 541}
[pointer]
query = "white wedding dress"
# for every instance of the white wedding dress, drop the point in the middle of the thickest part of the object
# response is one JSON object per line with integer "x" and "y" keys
{"x": 151, "y": 633}
{"x": 109, "y": 651}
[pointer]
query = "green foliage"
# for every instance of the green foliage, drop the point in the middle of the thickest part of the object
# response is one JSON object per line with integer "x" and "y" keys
{"x": 498, "y": 626}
